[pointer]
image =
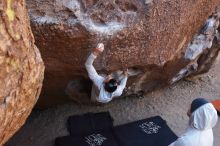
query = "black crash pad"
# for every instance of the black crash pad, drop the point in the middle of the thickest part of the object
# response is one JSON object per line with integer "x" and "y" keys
{"x": 98, "y": 138}
{"x": 149, "y": 132}
{"x": 83, "y": 124}
{"x": 97, "y": 130}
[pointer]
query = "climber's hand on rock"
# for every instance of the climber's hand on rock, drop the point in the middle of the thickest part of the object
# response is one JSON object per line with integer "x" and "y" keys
{"x": 99, "y": 49}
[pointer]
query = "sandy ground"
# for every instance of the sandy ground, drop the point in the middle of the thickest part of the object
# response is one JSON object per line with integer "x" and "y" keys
{"x": 171, "y": 103}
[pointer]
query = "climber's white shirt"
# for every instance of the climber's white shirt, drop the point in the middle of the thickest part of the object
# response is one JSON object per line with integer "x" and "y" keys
{"x": 199, "y": 132}
{"x": 103, "y": 96}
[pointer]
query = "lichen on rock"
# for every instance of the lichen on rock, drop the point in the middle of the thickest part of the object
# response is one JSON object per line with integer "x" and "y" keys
{"x": 22, "y": 68}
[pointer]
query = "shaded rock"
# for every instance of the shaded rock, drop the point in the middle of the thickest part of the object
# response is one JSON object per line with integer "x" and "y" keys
{"x": 150, "y": 36}
{"x": 21, "y": 68}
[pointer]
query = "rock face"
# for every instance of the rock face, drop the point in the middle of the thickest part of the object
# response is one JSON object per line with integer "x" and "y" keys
{"x": 21, "y": 68}
{"x": 149, "y": 37}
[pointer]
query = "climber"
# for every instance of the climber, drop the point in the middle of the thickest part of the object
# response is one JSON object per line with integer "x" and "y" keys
{"x": 202, "y": 118}
{"x": 104, "y": 88}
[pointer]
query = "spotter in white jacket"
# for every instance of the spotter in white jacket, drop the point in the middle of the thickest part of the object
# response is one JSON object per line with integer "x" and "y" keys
{"x": 199, "y": 132}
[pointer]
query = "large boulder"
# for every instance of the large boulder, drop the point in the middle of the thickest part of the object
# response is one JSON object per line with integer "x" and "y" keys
{"x": 150, "y": 37}
{"x": 21, "y": 68}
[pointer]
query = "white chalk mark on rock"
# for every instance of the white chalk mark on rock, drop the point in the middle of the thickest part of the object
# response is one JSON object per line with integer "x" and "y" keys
{"x": 148, "y": 1}
{"x": 184, "y": 72}
{"x": 73, "y": 6}
{"x": 204, "y": 40}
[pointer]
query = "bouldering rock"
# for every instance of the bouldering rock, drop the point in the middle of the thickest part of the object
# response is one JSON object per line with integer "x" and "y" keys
{"x": 150, "y": 36}
{"x": 21, "y": 68}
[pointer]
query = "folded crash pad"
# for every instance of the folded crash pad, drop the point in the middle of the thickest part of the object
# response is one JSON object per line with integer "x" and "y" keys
{"x": 149, "y": 132}
{"x": 90, "y": 122}
{"x": 98, "y": 138}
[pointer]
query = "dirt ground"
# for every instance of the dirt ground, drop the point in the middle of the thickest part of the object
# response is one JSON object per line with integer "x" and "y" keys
{"x": 171, "y": 103}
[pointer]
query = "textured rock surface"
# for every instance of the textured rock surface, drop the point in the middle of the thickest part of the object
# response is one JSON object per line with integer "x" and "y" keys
{"x": 149, "y": 36}
{"x": 21, "y": 68}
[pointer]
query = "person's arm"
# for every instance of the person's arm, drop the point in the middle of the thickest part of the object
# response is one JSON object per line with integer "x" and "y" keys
{"x": 122, "y": 85}
{"x": 93, "y": 75}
